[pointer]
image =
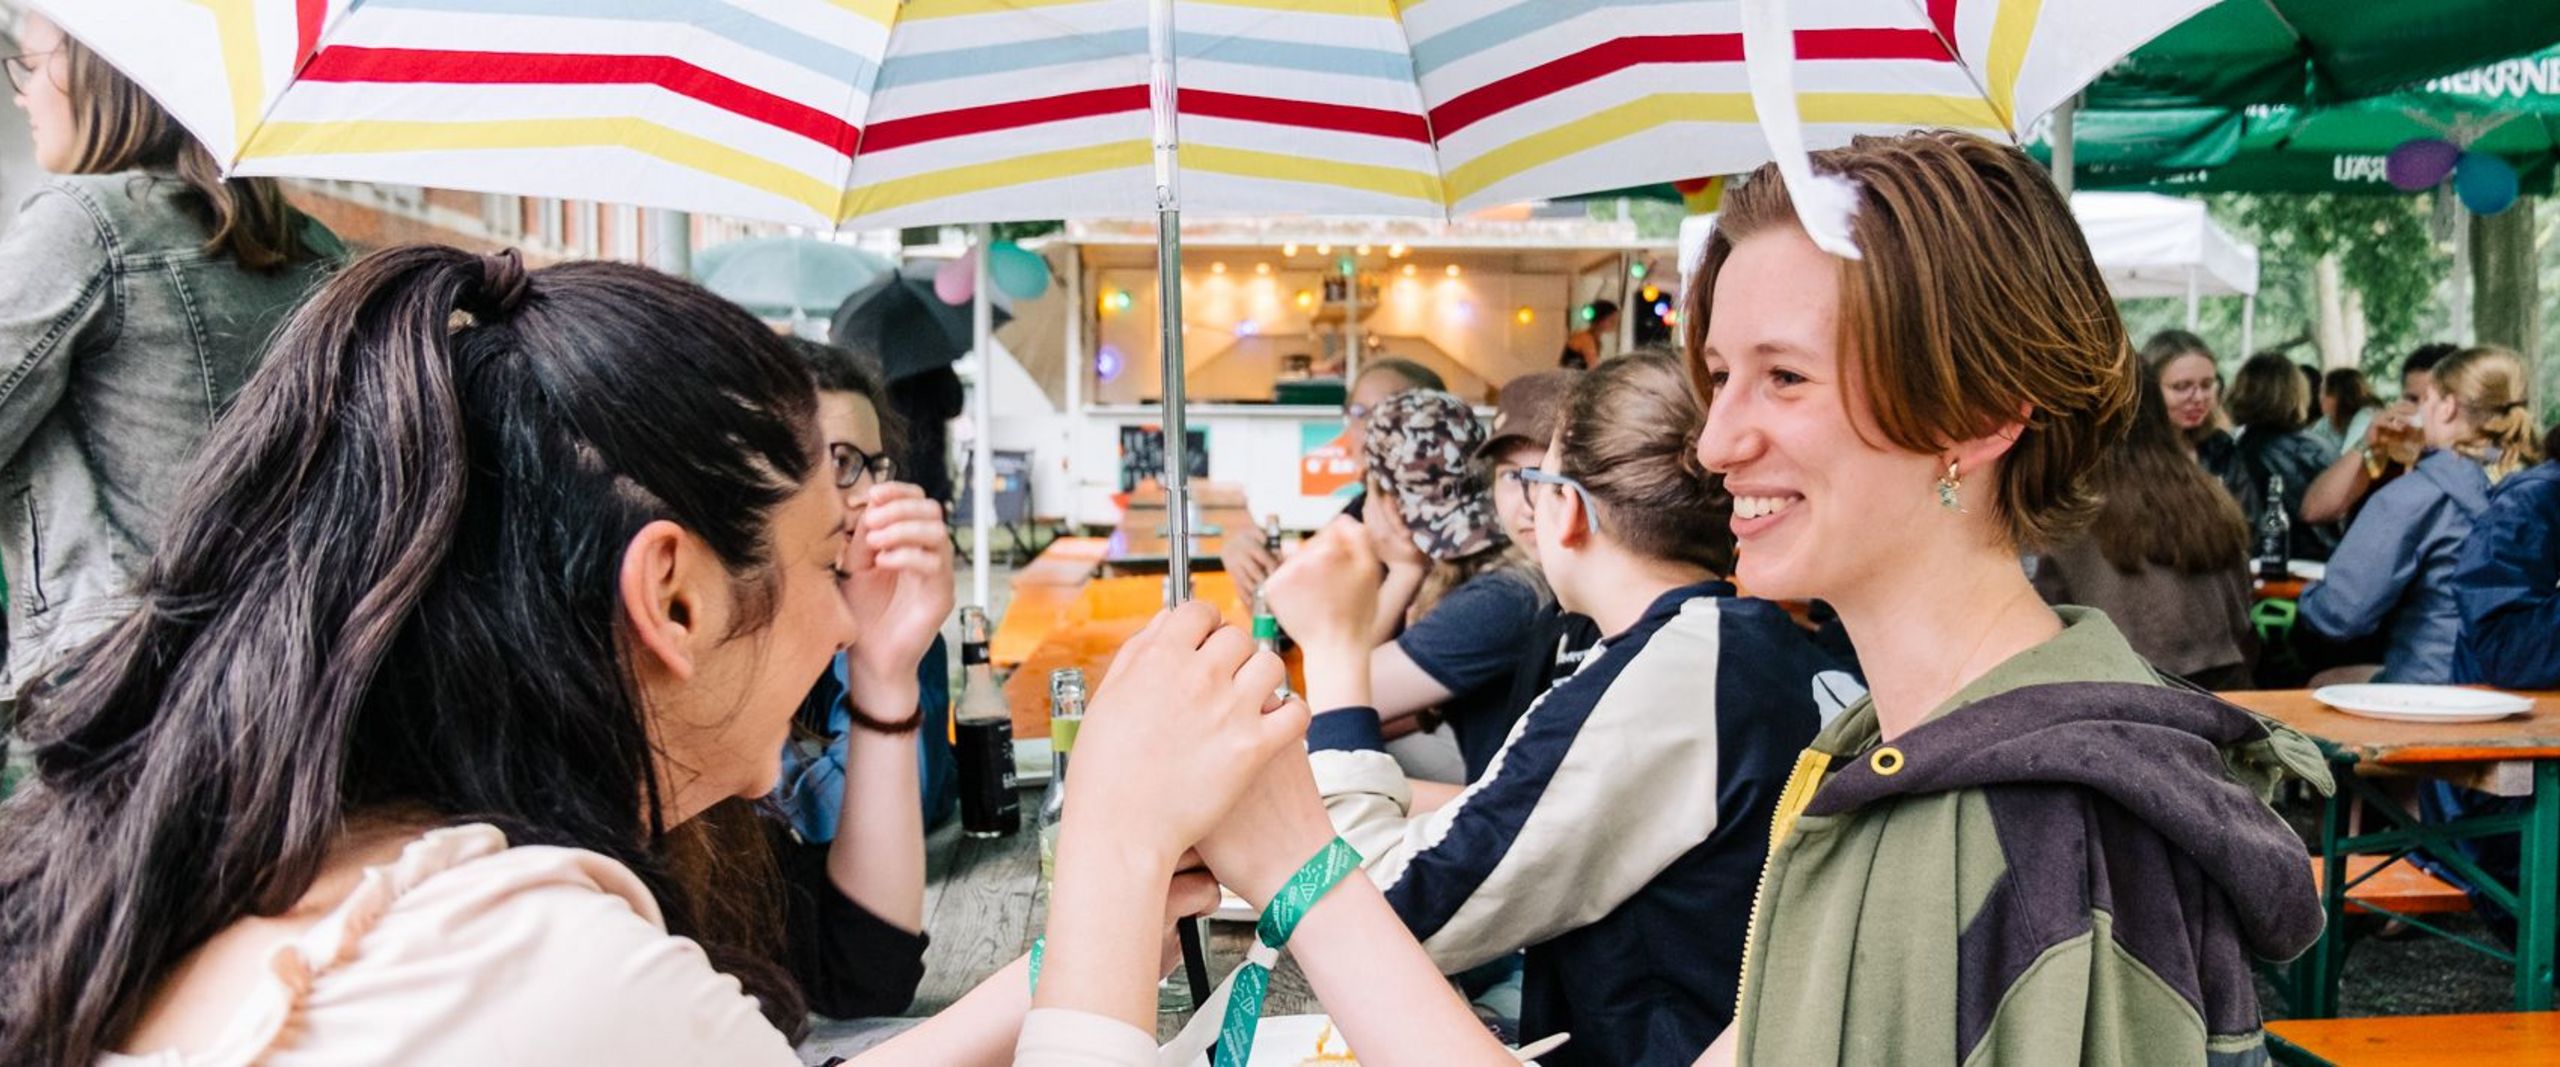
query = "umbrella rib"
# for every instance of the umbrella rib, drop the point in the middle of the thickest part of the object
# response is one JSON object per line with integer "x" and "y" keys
{"x": 1954, "y": 55}
{"x": 1430, "y": 129}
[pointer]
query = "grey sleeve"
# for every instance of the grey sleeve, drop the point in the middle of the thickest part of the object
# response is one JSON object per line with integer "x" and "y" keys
{"x": 54, "y": 282}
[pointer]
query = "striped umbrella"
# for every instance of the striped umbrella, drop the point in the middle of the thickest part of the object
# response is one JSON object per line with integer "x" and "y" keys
{"x": 880, "y": 113}
{"x": 874, "y": 113}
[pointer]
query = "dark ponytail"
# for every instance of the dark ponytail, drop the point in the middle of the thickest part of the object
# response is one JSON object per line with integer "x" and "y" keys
{"x": 390, "y": 587}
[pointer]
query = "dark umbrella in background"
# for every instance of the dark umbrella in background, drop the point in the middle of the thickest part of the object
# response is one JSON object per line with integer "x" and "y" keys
{"x": 899, "y": 317}
{"x": 917, "y": 338}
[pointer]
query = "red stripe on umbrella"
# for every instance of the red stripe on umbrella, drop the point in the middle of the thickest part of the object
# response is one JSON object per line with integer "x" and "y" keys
{"x": 1610, "y": 57}
{"x": 423, "y": 66}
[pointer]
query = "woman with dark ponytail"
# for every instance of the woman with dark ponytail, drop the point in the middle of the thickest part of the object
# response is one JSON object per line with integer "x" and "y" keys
{"x": 493, "y": 584}
{"x": 136, "y": 291}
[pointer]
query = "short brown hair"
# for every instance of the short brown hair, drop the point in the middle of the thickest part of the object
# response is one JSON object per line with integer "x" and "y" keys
{"x": 122, "y": 128}
{"x": 2268, "y": 394}
{"x": 1976, "y": 300}
{"x": 1629, "y": 434}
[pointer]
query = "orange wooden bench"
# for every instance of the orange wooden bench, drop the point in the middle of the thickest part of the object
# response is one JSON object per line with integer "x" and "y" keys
{"x": 2403, "y": 887}
{"x": 2419, "y": 1040}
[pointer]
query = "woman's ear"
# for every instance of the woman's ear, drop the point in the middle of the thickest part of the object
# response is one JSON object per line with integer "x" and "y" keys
{"x": 658, "y": 598}
{"x": 1981, "y": 452}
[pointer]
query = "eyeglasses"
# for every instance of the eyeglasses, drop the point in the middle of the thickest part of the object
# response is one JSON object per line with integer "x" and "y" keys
{"x": 1528, "y": 476}
{"x": 2183, "y": 390}
{"x": 851, "y": 463}
{"x": 23, "y": 66}
{"x": 1355, "y": 412}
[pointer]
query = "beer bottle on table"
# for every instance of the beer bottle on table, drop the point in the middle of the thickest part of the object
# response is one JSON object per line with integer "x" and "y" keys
{"x": 1066, "y": 713}
{"x": 1271, "y": 536}
{"x": 982, "y": 732}
{"x": 2275, "y": 533}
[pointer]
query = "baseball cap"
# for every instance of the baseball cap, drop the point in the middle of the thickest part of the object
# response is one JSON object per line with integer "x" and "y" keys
{"x": 1527, "y": 411}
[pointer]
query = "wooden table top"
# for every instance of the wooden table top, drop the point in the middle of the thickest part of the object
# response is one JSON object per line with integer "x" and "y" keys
{"x": 2532, "y": 736}
{"x": 1107, "y": 613}
{"x": 2277, "y": 589}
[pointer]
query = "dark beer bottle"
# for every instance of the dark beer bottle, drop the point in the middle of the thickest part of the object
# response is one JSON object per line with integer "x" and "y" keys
{"x": 982, "y": 731}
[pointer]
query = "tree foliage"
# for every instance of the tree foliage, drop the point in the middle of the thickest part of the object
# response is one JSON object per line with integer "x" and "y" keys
{"x": 2384, "y": 247}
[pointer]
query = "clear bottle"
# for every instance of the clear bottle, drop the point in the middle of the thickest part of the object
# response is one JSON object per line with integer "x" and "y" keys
{"x": 2275, "y": 533}
{"x": 1066, "y": 713}
{"x": 982, "y": 735}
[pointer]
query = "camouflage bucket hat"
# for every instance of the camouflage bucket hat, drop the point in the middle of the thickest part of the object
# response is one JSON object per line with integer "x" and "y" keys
{"x": 1419, "y": 443}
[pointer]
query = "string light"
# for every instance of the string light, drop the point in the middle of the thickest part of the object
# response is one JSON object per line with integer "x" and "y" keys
{"x": 1652, "y": 292}
{"x": 1360, "y": 250}
{"x": 1262, "y": 268}
{"x": 1324, "y": 250}
{"x": 1218, "y": 267}
{"x": 1408, "y": 270}
{"x": 1395, "y": 251}
{"x": 1115, "y": 300}
{"x": 1453, "y": 270}
{"x": 1636, "y": 269}
{"x": 1524, "y": 316}
{"x": 1306, "y": 299}
{"x": 1290, "y": 249}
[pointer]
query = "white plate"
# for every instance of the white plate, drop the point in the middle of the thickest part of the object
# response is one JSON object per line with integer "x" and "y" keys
{"x": 2422, "y": 703}
{"x": 2309, "y": 570}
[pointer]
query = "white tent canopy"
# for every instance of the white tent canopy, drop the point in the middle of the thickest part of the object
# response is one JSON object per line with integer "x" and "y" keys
{"x": 2147, "y": 245}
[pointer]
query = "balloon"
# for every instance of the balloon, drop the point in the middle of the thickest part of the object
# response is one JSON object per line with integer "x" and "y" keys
{"x": 955, "y": 282}
{"x": 1017, "y": 272}
{"x": 2419, "y": 164}
{"x": 2485, "y": 182}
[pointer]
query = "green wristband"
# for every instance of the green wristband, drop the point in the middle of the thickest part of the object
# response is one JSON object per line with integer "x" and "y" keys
{"x": 1280, "y": 918}
{"x": 1039, "y": 945}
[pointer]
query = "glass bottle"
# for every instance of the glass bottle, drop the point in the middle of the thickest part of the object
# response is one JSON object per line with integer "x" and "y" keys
{"x": 1066, "y": 713}
{"x": 982, "y": 734}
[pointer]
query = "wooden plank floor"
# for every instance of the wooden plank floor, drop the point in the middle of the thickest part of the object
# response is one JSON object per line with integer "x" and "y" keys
{"x": 983, "y": 905}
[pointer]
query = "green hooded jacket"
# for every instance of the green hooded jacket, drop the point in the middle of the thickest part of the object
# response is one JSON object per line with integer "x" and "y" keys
{"x": 2070, "y": 862}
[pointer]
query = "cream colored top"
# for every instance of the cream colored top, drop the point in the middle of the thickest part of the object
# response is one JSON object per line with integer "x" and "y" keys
{"x": 464, "y": 952}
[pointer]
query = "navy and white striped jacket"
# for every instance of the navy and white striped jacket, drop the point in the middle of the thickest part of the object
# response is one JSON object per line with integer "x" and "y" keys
{"x": 1619, "y": 834}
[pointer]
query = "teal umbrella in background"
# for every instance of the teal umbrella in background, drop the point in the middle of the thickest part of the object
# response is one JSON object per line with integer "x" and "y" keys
{"x": 804, "y": 278}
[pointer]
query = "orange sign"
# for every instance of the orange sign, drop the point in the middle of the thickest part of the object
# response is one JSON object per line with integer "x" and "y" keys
{"x": 1326, "y": 466}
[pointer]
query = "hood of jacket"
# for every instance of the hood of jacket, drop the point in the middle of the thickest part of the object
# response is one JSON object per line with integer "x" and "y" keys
{"x": 2194, "y": 768}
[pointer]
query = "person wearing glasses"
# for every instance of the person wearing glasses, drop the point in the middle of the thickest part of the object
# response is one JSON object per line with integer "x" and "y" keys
{"x": 872, "y": 734}
{"x": 1247, "y": 558}
{"x": 136, "y": 290}
{"x": 1618, "y": 832}
{"x": 2190, "y": 380}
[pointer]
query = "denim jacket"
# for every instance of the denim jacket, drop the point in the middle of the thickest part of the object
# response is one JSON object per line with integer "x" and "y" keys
{"x": 2396, "y": 567}
{"x": 2507, "y": 581}
{"x": 121, "y": 340}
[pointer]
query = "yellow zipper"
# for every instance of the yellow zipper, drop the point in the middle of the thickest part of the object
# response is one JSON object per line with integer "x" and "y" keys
{"x": 1793, "y": 798}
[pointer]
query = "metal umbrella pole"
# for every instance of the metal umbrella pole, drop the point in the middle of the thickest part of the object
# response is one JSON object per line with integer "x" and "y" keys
{"x": 1177, "y": 435}
{"x": 982, "y": 481}
{"x": 1177, "y": 460}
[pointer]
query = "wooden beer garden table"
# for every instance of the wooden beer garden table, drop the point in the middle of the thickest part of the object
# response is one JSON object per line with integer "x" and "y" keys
{"x": 2518, "y": 756}
{"x": 1143, "y": 542}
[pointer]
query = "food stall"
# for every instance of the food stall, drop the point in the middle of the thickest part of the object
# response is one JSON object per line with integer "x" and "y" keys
{"x": 1280, "y": 315}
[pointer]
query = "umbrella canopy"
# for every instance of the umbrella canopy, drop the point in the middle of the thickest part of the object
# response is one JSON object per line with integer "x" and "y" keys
{"x": 873, "y": 113}
{"x": 776, "y": 277}
{"x": 2297, "y": 96}
{"x": 899, "y": 316}
{"x": 2241, "y": 52}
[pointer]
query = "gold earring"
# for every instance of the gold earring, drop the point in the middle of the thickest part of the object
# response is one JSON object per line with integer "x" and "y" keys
{"x": 1948, "y": 485}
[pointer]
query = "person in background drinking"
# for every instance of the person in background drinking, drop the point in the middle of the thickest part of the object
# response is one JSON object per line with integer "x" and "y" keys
{"x": 2267, "y": 403}
{"x": 2189, "y": 379}
{"x": 1246, "y": 556}
{"x": 2391, "y": 445}
{"x": 1952, "y": 855}
{"x": 137, "y": 290}
{"x": 2395, "y": 567}
{"x": 1643, "y": 781}
{"x": 2166, "y": 558}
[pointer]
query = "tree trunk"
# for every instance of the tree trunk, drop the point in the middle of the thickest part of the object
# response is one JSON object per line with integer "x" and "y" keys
{"x": 2506, "y": 307}
{"x": 2332, "y": 324}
